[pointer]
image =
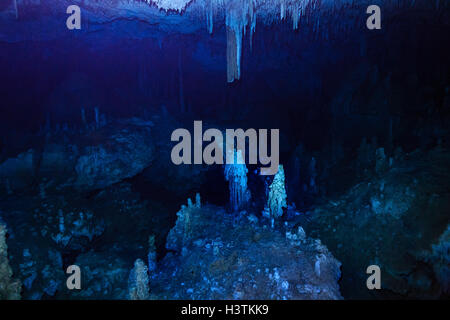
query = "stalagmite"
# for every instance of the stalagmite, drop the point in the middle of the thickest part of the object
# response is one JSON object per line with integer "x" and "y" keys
{"x": 236, "y": 175}
{"x": 138, "y": 282}
{"x": 9, "y": 288}
{"x": 177, "y": 5}
{"x": 198, "y": 203}
{"x": 151, "y": 256}
{"x": 277, "y": 196}
{"x": 252, "y": 22}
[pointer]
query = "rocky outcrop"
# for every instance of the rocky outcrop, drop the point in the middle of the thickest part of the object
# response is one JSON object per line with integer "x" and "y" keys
{"x": 224, "y": 256}
{"x": 392, "y": 219}
{"x": 122, "y": 155}
{"x": 96, "y": 158}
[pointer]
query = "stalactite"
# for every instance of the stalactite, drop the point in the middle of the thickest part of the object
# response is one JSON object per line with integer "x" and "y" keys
{"x": 232, "y": 56}
{"x": 295, "y": 17}
{"x": 180, "y": 83}
{"x": 239, "y": 13}
{"x": 151, "y": 256}
{"x": 178, "y": 5}
{"x": 282, "y": 9}
{"x": 209, "y": 16}
{"x": 16, "y": 9}
{"x": 252, "y": 22}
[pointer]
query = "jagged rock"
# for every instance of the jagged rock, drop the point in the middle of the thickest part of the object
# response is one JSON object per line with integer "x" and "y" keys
{"x": 298, "y": 237}
{"x": 41, "y": 272}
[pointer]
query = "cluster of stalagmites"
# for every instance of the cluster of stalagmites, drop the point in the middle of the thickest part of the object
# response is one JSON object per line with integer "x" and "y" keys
{"x": 236, "y": 175}
{"x": 138, "y": 283}
{"x": 179, "y": 235}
